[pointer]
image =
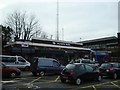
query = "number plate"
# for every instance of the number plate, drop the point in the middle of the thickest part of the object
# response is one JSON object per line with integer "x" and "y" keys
{"x": 65, "y": 77}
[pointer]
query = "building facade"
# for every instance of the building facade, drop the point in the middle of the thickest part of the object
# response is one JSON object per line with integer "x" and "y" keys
{"x": 60, "y": 50}
{"x": 108, "y": 44}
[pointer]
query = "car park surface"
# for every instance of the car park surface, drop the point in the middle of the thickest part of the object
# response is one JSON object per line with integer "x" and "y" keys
{"x": 27, "y": 80}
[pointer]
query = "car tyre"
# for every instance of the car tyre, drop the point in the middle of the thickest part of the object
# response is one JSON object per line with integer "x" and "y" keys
{"x": 41, "y": 73}
{"x": 115, "y": 76}
{"x": 99, "y": 78}
{"x": 78, "y": 81}
{"x": 13, "y": 74}
{"x": 63, "y": 80}
{"x": 27, "y": 68}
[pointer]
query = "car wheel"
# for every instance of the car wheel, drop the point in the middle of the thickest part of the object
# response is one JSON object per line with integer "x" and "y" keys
{"x": 78, "y": 81}
{"x": 41, "y": 73}
{"x": 115, "y": 76}
{"x": 63, "y": 80}
{"x": 13, "y": 74}
{"x": 27, "y": 68}
{"x": 99, "y": 78}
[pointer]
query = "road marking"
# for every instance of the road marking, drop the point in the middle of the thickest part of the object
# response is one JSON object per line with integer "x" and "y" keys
{"x": 116, "y": 81}
{"x": 54, "y": 81}
{"x": 34, "y": 80}
{"x": 115, "y": 85}
{"x": 57, "y": 78}
{"x": 8, "y": 81}
{"x": 94, "y": 87}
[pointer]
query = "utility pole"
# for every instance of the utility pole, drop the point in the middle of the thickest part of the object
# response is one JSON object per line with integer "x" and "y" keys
{"x": 57, "y": 37}
{"x": 62, "y": 33}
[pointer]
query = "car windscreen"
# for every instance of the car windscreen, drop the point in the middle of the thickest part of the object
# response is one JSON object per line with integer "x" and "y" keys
{"x": 70, "y": 66}
{"x": 34, "y": 61}
{"x": 85, "y": 61}
{"x": 106, "y": 65}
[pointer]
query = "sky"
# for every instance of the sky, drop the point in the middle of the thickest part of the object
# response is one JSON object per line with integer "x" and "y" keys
{"x": 79, "y": 20}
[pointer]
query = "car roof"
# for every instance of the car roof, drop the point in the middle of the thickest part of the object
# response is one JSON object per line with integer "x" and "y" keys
{"x": 110, "y": 63}
{"x": 77, "y": 63}
{"x": 83, "y": 59}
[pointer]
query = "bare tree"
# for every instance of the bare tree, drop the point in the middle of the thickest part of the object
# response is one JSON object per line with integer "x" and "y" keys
{"x": 24, "y": 27}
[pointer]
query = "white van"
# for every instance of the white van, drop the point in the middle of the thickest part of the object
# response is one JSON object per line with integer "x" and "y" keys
{"x": 15, "y": 61}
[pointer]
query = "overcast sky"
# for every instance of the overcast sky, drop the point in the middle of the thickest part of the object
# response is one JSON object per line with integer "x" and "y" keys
{"x": 79, "y": 19}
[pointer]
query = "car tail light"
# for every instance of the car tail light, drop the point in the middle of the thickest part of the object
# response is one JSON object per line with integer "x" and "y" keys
{"x": 111, "y": 69}
{"x": 72, "y": 73}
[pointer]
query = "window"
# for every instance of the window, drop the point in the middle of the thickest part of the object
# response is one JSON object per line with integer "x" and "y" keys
{"x": 34, "y": 60}
{"x": 82, "y": 67}
{"x": 8, "y": 59}
{"x": 115, "y": 65}
{"x": 21, "y": 59}
{"x": 3, "y": 65}
{"x": 77, "y": 61}
{"x": 85, "y": 61}
{"x": 56, "y": 64}
{"x": 70, "y": 66}
{"x": 88, "y": 68}
{"x": 106, "y": 65}
{"x": 91, "y": 62}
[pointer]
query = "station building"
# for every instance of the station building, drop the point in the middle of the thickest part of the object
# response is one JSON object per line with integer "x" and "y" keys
{"x": 63, "y": 51}
{"x": 108, "y": 47}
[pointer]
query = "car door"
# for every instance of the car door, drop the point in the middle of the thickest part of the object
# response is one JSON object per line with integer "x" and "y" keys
{"x": 56, "y": 67}
{"x": 90, "y": 72}
{"x": 5, "y": 71}
{"x": 21, "y": 62}
{"x": 82, "y": 72}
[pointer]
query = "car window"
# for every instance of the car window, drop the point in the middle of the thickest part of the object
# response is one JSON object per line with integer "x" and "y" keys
{"x": 85, "y": 61}
{"x": 3, "y": 65}
{"x": 56, "y": 64}
{"x": 21, "y": 59}
{"x": 82, "y": 67}
{"x": 34, "y": 61}
{"x": 115, "y": 65}
{"x": 8, "y": 59}
{"x": 70, "y": 66}
{"x": 88, "y": 68}
{"x": 77, "y": 61}
{"x": 91, "y": 62}
{"x": 106, "y": 65}
{"x": 119, "y": 65}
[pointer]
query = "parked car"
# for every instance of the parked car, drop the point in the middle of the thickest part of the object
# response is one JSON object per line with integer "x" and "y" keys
{"x": 15, "y": 61}
{"x": 78, "y": 72}
{"x": 110, "y": 69}
{"x": 87, "y": 61}
{"x": 41, "y": 66}
{"x": 9, "y": 71}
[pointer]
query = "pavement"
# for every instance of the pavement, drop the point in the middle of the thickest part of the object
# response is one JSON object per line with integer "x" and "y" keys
{"x": 27, "y": 80}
